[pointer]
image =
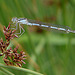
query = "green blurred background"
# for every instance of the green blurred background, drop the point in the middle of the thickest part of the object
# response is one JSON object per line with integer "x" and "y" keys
{"x": 48, "y": 52}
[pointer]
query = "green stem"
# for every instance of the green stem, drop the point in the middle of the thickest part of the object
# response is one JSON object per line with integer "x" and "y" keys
{"x": 20, "y": 69}
{"x": 6, "y": 71}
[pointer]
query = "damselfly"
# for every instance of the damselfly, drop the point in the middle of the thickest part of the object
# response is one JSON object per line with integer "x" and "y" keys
{"x": 25, "y": 21}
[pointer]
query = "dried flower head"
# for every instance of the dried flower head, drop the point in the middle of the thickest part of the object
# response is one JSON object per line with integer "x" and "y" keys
{"x": 11, "y": 57}
{"x": 8, "y": 33}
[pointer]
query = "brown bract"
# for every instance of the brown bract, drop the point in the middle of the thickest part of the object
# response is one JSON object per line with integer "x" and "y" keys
{"x": 8, "y": 33}
{"x": 11, "y": 57}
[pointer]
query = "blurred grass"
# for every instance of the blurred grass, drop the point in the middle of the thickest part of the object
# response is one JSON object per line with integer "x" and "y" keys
{"x": 47, "y": 52}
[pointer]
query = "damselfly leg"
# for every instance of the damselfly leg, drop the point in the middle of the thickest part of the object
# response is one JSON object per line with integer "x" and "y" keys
{"x": 20, "y": 28}
{"x": 15, "y": 24}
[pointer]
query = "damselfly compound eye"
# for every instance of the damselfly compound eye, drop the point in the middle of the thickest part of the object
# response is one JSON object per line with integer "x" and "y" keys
{"x": 14, "y": 20}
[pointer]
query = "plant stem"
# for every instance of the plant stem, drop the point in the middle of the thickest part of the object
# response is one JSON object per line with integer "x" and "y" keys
{"x": 20, "y": 69}
{"x": 6, "y": 71}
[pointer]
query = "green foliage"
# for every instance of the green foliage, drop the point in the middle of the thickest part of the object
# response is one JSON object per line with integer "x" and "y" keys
{"x": 49, "y": 53}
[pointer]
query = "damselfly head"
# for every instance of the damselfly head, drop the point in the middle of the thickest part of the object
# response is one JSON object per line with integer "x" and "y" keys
{"x": 14, "y": 20}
